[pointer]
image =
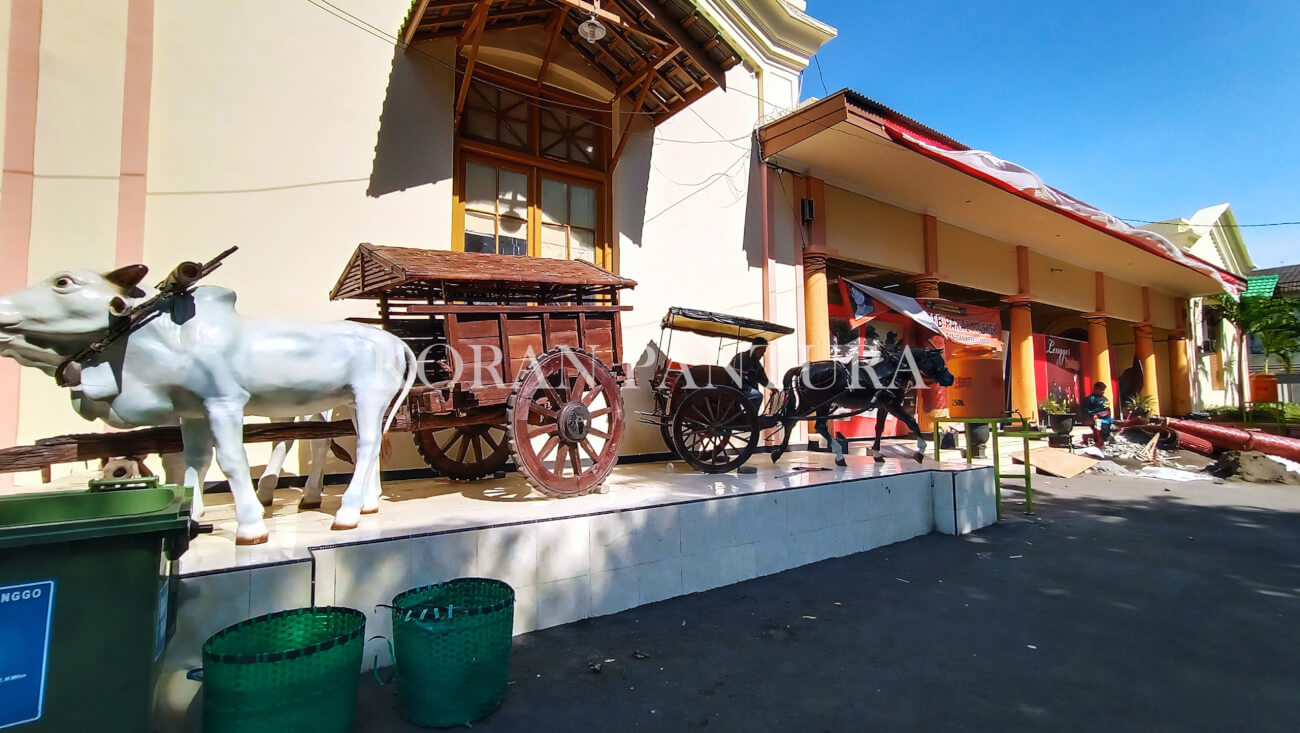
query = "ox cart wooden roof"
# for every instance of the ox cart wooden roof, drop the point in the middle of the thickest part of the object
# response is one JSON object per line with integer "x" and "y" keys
{"x": 375, "y": 272}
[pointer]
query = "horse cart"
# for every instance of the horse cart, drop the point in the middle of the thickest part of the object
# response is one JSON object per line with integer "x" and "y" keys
{"x": 519, "y": 358}
{"x": 703, "y": 411}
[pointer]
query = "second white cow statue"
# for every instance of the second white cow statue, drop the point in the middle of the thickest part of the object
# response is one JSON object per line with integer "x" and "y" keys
{"x": 201, "y": 362}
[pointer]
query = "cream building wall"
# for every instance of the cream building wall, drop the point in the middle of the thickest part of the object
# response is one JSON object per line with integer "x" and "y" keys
{"x": 1213, "y": 235}
{"x": 296, "y": 134}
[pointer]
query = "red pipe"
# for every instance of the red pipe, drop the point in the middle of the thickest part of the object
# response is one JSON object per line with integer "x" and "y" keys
{"x": 1226, "y": 437}
{"x": 1193, "y": 443}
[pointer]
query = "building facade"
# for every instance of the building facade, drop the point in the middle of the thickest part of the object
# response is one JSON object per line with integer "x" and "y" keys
{"x": 142, "y": 131}
{"x": 1212, "y": 234}
{"x": 885, "y": 200}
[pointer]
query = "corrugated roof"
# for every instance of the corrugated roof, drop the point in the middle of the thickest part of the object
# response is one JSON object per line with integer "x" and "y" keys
{"x": 1288, "y": 277}
{"x": 1260, "y": 286}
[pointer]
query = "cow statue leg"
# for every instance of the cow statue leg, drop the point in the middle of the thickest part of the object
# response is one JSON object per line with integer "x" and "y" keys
{"x": 316, "y": 472}
{"x": 270, "y": 479}
{"x": 197, "y": 439}
{"x": 361, "y": 496}
{"x": 227, "y": 421}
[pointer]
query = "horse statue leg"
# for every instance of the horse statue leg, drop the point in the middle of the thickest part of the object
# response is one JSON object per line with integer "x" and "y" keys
{"x": 898, "y": 412}
{"x": 822, "y": 426}
{"x": 881, "y": 412}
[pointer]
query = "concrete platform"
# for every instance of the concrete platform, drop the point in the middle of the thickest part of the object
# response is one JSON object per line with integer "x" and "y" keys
{"x": 661, "y": 531}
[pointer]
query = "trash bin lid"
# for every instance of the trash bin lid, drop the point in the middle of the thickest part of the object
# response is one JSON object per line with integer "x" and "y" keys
{"x": 37, "y": 519}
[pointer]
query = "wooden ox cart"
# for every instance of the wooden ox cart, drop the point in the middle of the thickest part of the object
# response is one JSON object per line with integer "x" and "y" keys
{"x": 520, "y": 357}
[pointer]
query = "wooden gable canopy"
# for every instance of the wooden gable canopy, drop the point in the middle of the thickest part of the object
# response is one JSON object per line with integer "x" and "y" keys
{"x": 398, "y": 272}
{"x": 659, "y": 55}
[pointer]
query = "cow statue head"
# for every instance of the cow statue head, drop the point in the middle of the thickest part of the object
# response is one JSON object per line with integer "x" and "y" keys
{"x": 51, "y": 320}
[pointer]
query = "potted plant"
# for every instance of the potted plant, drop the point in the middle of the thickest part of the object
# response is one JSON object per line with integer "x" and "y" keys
{"x": 1139, "y": 404}
{"x": 1060, "y": 413}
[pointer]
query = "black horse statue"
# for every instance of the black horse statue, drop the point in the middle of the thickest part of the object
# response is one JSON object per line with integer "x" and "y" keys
{"x": 815, "y": 389}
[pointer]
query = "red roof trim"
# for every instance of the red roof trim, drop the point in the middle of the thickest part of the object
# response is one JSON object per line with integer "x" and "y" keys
{"x": 906, "y": 136}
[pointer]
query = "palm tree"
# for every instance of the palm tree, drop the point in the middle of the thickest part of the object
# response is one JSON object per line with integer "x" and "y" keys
{"x": 1272, "y": 318}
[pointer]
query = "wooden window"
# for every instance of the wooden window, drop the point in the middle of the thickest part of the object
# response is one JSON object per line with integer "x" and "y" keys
{"x": 568, "y": 220}
{"x": 497, "y": 115}
{"x": 569, "y": 135}
{"x": 496, "y": 209}
{"x": 532, "y": 173}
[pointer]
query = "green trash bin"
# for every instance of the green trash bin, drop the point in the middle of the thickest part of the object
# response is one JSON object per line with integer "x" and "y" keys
{"x": 87, "y": 603}
{"x": 452, "y": 647}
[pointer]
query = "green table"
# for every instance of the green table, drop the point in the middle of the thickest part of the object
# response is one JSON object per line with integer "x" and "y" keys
{"x": 1023, "y": 432}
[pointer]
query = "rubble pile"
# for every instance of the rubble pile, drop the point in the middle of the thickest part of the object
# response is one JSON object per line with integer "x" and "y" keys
{"x": 1255, "y": 467}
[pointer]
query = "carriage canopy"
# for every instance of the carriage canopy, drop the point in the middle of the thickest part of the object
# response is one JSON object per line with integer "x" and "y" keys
{"x": 722, "y": 325}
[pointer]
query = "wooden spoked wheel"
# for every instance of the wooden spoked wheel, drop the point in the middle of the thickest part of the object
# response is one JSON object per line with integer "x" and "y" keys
{"x": 464, "y": 452}
{"x": 565, "y": 421}
{"x": 715, "y": 429}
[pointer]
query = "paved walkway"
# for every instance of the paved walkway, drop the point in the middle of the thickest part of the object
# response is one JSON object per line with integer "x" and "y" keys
{"x": 1120, "y": 607}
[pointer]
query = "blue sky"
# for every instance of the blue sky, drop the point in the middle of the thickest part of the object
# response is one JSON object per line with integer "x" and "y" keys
{"x": 1148, "y": 110}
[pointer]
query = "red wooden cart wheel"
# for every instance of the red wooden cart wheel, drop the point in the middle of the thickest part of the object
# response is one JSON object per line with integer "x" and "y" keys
{"x": 565, "y": 421}
{"x": 715, "y": 429}
{"x": 464, "y": 452}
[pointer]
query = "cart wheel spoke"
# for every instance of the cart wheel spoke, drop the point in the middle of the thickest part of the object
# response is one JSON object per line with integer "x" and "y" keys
{"x": 537, "y": 409}
{"x": 555, "y": 385}
{"x": 548, "y": 446}
{"x": 543, "y": 429}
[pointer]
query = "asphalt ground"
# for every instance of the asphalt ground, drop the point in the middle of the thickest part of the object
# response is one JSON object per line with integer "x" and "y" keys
{"x": 1124, "y": 604}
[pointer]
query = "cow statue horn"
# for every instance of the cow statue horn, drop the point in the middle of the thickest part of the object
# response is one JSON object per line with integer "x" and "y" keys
{"x": 127, "y": 277}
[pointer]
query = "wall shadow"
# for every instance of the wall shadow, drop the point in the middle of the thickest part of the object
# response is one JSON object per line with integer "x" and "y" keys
{"x": 414, "y": 146}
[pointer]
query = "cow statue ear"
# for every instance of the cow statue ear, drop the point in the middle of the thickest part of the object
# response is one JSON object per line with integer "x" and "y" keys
{"x": 117, "y": 306}
{"x": 127, "y": 278}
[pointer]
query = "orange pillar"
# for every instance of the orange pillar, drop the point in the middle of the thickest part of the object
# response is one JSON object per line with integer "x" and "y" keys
{"x": 816, "y": 309}
{"x": 1145, "y": 350}
{"x": 1180, "y": 374}
{"x": 933, "y": 401}
{"x": 1024, "y": 387}
{"x": 1099, "y": 344}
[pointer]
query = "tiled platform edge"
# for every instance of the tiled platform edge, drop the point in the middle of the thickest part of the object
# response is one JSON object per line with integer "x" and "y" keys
{"x": 573, "y": 568}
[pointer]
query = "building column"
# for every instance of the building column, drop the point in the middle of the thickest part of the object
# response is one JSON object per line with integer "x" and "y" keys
{"x": 1180, "y": 374}
{"x": 1145, "y": 350}
{"x": 1099, "y": 345}
{"x": 816, "y": 309}
{"x": 1024, "y": 387}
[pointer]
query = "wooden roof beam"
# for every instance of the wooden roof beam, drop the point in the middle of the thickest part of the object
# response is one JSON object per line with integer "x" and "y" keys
{"x": 627, "y": 127}
{"x": 646, "y": 71}
{"x": 473, "y": 29}
{"x": 553, "y": 33}
{"x": 414, "y": 25}
{"x": 659, "y": 17}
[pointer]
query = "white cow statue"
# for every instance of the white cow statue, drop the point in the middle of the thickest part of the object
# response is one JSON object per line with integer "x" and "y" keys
{"x": 204, "y": 364}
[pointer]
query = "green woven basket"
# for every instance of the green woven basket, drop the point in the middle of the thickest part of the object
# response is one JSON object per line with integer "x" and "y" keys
{"x": 285, "y": 672}
{"x": 452, "y": 644}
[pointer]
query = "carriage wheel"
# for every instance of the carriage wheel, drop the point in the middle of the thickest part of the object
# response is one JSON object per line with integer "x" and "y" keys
{"x": 715, "y": 429}
{"x": 565, "y": 421}
{"x": 464, "y": 452}
{"x": 666, "y": 432}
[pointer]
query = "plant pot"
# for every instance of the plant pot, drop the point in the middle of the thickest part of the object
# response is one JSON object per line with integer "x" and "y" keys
{"x": 1061, "y": 424}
